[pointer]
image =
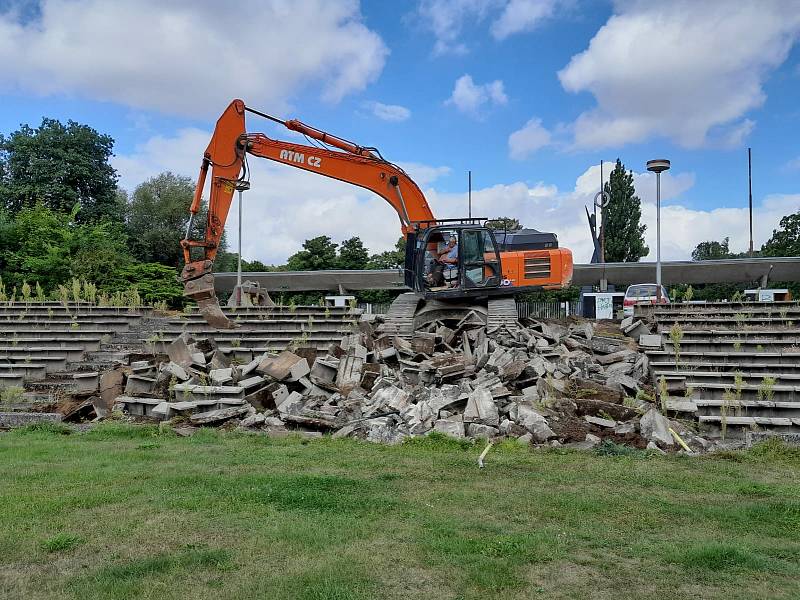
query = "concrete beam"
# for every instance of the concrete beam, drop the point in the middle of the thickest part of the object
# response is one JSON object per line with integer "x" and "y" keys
{"x": 737, "y": 270}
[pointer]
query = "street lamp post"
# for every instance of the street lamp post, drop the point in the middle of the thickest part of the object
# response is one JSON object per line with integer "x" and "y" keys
{"x": 658, "y": 166}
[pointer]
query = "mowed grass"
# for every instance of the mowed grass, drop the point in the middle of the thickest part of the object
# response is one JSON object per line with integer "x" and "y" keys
{"x": 131, "y": 512}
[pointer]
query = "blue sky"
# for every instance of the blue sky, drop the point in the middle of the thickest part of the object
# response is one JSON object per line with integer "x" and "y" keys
{"x": 529, "y": 94}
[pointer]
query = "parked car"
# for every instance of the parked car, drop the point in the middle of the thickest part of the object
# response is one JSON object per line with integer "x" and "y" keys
{"x": 642, "y": 293}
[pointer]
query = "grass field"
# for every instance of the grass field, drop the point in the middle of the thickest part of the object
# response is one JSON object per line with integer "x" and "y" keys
{"x": 127, "y": 512}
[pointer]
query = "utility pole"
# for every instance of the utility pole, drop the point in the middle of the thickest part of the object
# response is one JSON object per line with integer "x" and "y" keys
{"x": 750, "y": 188}
{"x": 469, "y": 192}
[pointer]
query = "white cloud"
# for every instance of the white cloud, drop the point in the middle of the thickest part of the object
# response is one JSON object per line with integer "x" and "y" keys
{"x": 448, "y": 18}
{"x": 524, "y": 142}
{"x": 792, "y": 165}
{"x": 684, "y": 70}
{"x": 388, "y": 112}
{"x": 470, "y": 98}
{"x": 287, "y": 206}
{"x": 190, "y": 56}
{"x": 424, "y": 175}
{"x": 521, "y": 15}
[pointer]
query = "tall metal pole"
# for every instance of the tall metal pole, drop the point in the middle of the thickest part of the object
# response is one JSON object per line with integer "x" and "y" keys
{"x": 239, "y": 262}
{"x": 658, "y": 166}
{"x": 469, "y": 192}
{"x": 602, "y": 221}
{"x": 658, "y": 235}
{"x": 750, "y": 188}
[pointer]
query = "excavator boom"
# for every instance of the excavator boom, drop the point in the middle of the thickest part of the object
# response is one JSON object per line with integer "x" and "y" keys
{"x": 225, "y": 157}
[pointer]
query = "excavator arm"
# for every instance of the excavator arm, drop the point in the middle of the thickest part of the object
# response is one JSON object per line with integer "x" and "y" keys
{"x": 226, "y": 158}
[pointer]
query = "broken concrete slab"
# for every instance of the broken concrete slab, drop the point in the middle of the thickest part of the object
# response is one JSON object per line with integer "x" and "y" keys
{"x": 600, "y": 422}
{"x": 452, "y": 426}
{"x": 215, "y": 416}
{"x": 286, "y": 366}
{"x": 655, "y": 427}
{"x": 534, "y": 422}
{"x": 481, "y": 409}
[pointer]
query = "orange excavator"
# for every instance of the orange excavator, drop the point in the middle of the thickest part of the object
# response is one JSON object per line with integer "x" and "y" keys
{"x": 452, "y": 265}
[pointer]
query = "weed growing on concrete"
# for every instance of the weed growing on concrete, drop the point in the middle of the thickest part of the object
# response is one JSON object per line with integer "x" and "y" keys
{"x": 26, "y": 291}
{"x": 663, "y": 393}
{"x": 39, "y": 292}
{"x": 3, "y": 296}
{"x": 738, "y": 382}
{"x": 11, "y": 394}
{"x": 676, "y": 335}
{"x": 688, "y": 294}
{"x": 76, "y": 289}
{"x": 63, "y": 295}
{"x": 89, "y": 292}
{"x": 236, "y": 343}
{"x": 737, "y": 345}
{"x": 766, "y": 390}
{"x": 727, "y": 402}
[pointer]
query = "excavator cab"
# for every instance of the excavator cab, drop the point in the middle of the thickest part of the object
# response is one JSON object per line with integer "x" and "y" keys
{"x": 453, "y": 259}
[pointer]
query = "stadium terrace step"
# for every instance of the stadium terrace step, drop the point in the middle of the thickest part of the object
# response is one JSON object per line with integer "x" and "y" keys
{"x": 68, "y": 335}
{"x": 51, "y": 363}
{"x": 63, "y": 325}
{"x": 71, "y": 353}
{"x": 9, "y": 379}
{"x": 29, "y": 371}
{"x": 757, "y": 368}
{"x": 745, "y": 408}
{"x": 734, "y": 357}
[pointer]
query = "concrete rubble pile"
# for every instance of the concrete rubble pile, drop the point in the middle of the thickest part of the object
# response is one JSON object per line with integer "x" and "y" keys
{"x": 542, "y": 383}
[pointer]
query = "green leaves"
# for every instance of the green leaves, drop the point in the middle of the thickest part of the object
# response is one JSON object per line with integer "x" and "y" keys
{"x": 624, "y": 236}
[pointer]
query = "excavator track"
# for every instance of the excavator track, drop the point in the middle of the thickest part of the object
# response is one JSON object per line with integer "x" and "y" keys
{"x": 399, "y": 319}
{"x": 503, "y": 313}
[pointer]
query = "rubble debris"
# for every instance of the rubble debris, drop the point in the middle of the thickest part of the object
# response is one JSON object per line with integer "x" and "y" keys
{"x": 567, "y": 383}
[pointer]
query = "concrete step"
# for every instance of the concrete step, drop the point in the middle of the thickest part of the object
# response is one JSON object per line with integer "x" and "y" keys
{"x": 29, "y": 371}
{"x": 757, "y": 368}
{"x": 94, "y": 325}
{"x": 85, "y": 342}
{"x": 687, "y": 323}
{"x": 52, "y": 363}
{"x": 714, "y": 390}
{"x": 71, "y": 353}
{"x": 731, "y": 356}
{"x": 201, "y": 328}
{"x": 786, "y": 336}
{"x": 725, "y": 376}
{"x": 9, "y": 379}
{"x": 745, "y": 408}
{"x": 721, "y": 308}
{"x": 737, "y": 427}
{"x": 745, "y": 344}
{"x": 60, "y": 312}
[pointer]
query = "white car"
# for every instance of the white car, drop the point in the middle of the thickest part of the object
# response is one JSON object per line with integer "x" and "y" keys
{"x": 642, "y": 293}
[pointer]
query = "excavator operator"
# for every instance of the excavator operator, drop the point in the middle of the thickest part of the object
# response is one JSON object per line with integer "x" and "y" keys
{"x": 446, "y": 263}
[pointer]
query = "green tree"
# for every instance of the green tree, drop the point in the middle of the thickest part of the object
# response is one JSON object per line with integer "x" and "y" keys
{"x": 504, "y": 224}
{"x": 711, "y": 250}
{"x": 624, "y": 236}
{"x": 318, "y": 254}
{"x": 390, "y": 259}
{"x": 50, "y": 247}
{"x": 154, "y": 282}
{"x": 352, "y": 254}
{"x": 157, "y": 215}
{"x": 785, "y": 240}
{"x": 59, "y": 165}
